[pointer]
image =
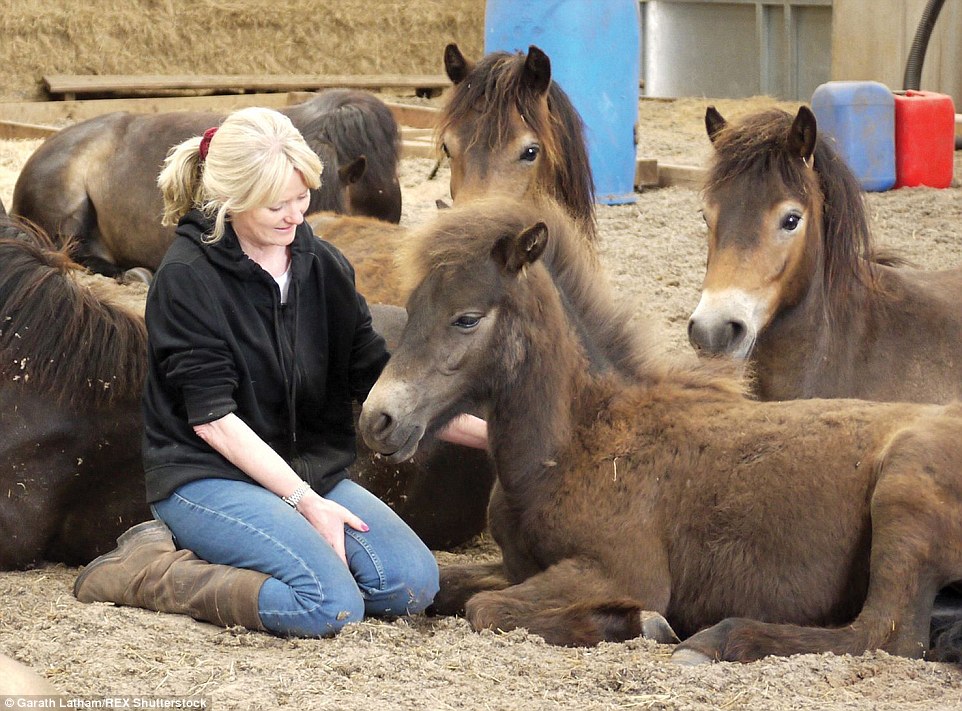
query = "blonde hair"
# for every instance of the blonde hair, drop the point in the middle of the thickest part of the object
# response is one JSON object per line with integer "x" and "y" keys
{"x": 247, "y": 166}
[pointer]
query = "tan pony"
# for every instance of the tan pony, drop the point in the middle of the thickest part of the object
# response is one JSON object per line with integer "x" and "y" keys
{"x": 505, "y": 127}
{"x": 754, "y": 528}
{"x": 794, "y": 285}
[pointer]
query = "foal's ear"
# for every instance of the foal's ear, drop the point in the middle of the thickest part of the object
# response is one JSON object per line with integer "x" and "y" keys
{"x": 714, "y": 122}
{"x": 801, "y": 136}
{"x": 514, "y": 252}
{"x": 456, "y": 66}
{"x": 537, "y": 71}
{"x": 353, "y": 171}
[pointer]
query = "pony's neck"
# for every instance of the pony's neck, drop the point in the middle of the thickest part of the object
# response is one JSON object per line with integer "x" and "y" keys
{"x": 603, "y": 325}
{"x": 802, "y": 351}
{"x": 533, "y": 413}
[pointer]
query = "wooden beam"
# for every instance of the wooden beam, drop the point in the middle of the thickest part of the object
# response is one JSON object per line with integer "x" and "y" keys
{"x": 686, "y": 176}
{"x": 419, "y": 134}
{"x": 72, "y": 85}
{"x": 418, "y": 149}
{"x": 649, "y": 173}
{"x": 414, "y": 116}
{"x": 60, "y": 112}
{"x": 16, "y": 130}
{"x": 646, "y": 173}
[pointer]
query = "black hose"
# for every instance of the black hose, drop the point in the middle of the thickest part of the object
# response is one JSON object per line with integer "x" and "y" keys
{"x": 920, "y": 44}
{"x": 913, "y": 66}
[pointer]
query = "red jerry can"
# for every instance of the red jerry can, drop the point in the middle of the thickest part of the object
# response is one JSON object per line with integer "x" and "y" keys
{"x": 924, "y": 139}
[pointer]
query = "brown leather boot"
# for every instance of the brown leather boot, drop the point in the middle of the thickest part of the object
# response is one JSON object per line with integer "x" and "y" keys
{"x": 146, "y": 570}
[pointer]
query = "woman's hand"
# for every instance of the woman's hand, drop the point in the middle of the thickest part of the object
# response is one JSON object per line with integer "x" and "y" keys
{"x": 329, "y": 518}
{"x": 240, "y": 444}
{"x": 466, "y": 430}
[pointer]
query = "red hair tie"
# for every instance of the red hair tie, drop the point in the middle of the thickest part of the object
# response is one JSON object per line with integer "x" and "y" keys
{"x": 205, "y": 141}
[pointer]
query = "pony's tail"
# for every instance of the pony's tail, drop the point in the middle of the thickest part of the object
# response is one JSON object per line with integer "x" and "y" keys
{"x": 946, "y": 643}
{"x": 180, "y": 180}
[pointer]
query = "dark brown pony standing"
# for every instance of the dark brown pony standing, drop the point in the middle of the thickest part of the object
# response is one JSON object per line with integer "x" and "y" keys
{"x": 508, "y": 128}
{"x": 95, "y": 182}
{"x": 793, "y": 284}
{"x": 755, "y": 528}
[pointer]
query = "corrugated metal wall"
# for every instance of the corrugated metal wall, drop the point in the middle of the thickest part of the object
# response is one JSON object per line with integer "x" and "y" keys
{"x": 786, "y": 48}
{"x": 871, "y": 39}
{"x": 736, "y": 48}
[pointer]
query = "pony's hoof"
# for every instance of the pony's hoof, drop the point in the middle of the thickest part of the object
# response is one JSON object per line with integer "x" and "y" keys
{"x": 137, "y": 275}
{"x": 689, "y": 658}
{"x": 656, "y": 628}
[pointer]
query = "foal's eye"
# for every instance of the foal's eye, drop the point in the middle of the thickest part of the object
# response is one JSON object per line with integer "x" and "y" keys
{"x": 444, "y": 149}
{"x": 467, "y": 322}
{"x": 791, "y": 222}
{"x": 530, "y": 153}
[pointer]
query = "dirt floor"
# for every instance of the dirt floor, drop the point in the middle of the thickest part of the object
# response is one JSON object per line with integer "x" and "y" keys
{"x": 655, "y": 251}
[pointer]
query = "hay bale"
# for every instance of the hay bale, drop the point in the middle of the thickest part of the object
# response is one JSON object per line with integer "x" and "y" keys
{"x": 229, "y": 37}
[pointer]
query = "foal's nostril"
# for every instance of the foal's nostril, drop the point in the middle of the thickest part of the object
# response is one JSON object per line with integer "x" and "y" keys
{"x": 715, "y": 336}
{"x": 381, "y": 424}
{"x": 735, "y": 332}
{"x": 693, "y": 337}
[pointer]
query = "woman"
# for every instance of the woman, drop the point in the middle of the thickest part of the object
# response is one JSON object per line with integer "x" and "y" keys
{"x": 258, "y": 343}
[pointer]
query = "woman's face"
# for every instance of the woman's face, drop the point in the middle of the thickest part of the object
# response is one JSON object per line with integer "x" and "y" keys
{"x": 273, "y": 225}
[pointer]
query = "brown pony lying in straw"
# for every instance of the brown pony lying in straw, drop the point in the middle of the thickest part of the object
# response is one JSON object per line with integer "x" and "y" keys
{"x": 754, "y": 528}
{"x": 95, "y": 182}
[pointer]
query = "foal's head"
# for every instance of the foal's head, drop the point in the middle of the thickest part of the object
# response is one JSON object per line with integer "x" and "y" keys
{"x": 482, "y": 308}
{"x": 508, "y": 128}
{"x": 785, "y": 221}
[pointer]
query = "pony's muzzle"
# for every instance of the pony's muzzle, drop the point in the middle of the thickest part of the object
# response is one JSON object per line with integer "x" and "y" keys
{"x": 718, "y": 337}
{"x": 726, "y": 323}
{"x": 388, "y": 435}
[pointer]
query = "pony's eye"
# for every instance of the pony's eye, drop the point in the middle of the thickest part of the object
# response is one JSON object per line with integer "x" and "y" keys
{"x": 444, "y": 149}
{"x": 467, "y": 322}
{"x": 791, "y": 222}
{"x": 530, "y": 153}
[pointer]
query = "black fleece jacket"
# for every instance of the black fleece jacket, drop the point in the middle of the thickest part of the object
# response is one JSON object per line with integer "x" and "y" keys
{"x": 220, "y": 341}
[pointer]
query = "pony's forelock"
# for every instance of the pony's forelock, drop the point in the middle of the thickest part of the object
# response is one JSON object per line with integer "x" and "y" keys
{"x": 757, "y": 148}
{"x": 495, "y": 90}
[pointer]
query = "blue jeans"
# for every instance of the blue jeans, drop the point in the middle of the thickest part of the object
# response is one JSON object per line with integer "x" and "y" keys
{"x": 310, "y": 592}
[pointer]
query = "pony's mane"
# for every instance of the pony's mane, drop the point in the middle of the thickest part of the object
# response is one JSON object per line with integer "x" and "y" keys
{"x": 494, "y": 89}
{"x": 57, "y": 335}
{"x": 467, "y": 233}
{"x": 757, "y": 148}
{"x": 355, "y": 123}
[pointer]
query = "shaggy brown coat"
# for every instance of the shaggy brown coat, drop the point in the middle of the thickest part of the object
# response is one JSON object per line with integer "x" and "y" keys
{"x": 754, "y": 528}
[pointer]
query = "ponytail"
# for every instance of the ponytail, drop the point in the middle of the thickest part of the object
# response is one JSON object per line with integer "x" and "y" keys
{"x": 180, "y": 181}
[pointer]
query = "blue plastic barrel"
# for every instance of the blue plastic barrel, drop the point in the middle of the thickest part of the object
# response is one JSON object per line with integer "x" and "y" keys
{"x": 859, "y": 116}
{"x": 595, "y": 52}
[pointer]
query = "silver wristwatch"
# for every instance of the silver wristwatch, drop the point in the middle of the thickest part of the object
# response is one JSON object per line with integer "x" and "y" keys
{"x": 295, "y": 498}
